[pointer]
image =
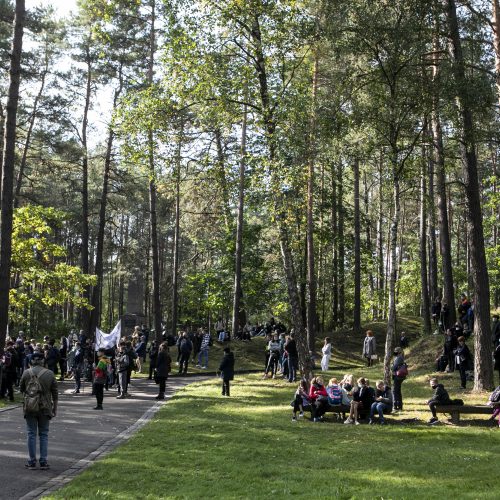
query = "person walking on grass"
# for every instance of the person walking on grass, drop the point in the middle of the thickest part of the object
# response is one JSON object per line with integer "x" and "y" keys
{"x": 369, "y": 348}
{"x": 206, "y": 340}
{"x": 100, "y": 376}
{"x": 327, "y": 354}
{"x": 440, "y": 397}
{"x": 39, "y": 387}
{"x": 226, "y": 368}
{"x": 163, "y": 367}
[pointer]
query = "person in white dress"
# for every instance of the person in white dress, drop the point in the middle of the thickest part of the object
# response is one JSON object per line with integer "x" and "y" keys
{"x": 327, "y": 354}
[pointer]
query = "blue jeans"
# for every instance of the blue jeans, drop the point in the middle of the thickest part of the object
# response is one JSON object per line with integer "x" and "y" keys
{"x": 203, "y": 354}
{"x": 40, "y": 423}
{"x": 379, "y": 408}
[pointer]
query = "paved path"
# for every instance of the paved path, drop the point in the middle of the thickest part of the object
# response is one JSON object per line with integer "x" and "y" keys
{"x": 78, "y": 435}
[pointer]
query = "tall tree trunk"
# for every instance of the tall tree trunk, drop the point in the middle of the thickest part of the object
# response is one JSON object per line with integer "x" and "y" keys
{"x": 444, "y": 230}
{"x": 426, "y": 307}
{"x": 9, "y": 154}
{"x": 286, "y": 252}
{"x": 341, "y": 245}
{"x": 155, "y": 289}
{"x": 380, "y": 245}
{"x": 393, "y": 266}
{"x": 175, "y": 265}
{"x": 357, "y": 253}
{"x": 496, "y": 42}
{"x": 311, "y": 273}
{"x": 85, "y": 189}
{"x": 95, "y": 315}
{"x": 27, "y": 142}
{"x": 433, "y": 266}
{"x": 221, "y": 174}
{"x": 237, "y": 292}
{"x": 483, "y": 372}
{"x": 335, "y": 257}
{"x": 369, "y": 247}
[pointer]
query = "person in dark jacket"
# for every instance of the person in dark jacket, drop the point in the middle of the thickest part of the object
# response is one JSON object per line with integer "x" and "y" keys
{"x": 362, "y": 399}
{"x": 63, "y": 356}
{"x": 153, "y": 356}
{"x": 293, "y": 358}
{"x": 186, "y": 348}
{"x": 496, "y": 356}
{"x": 163, "y": 367}
{"x": 52, "y": 357}
{"x": 450, "y": 344}
{"x": 10, "y": 363}
{"x": 495, "y": 330}
{"x": 397, "y": 380}
{"x": 436, "y": 311}
{"x": 463, "y": 360}
{"x": 140, "y": 351}
{"x": 440, "y": 397}
{"x": 226, "y": 369}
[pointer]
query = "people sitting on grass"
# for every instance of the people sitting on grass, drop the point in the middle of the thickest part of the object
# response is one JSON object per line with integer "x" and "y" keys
{"x": 362, "y": 399}
{"x": 319, "y": 399}
{"x": 440, "y": 397}
{"x": 383, "y": 402}
{"x": 301, "y": 401}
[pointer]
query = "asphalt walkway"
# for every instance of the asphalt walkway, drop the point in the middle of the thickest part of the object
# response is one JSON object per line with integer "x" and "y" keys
{"x": 78, "y": 435}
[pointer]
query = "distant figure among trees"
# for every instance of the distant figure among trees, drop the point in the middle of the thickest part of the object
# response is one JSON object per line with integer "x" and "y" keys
{"x": 369, "y": 348}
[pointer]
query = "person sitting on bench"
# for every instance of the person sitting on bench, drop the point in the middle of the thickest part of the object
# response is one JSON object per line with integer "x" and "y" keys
{"x": 440, "y": 397}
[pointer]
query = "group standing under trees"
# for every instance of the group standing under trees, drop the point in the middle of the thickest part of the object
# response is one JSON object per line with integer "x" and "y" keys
{"x": 309, "y": 158}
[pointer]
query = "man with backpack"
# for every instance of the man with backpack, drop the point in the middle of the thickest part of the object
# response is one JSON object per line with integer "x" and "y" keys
{"x": 39, "y": 387}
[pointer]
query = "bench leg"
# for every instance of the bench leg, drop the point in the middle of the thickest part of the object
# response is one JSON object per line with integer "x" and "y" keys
{"x": 455, "y": 417}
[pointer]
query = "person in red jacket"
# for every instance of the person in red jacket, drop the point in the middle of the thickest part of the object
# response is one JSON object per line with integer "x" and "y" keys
{"x": 319, "y": 399}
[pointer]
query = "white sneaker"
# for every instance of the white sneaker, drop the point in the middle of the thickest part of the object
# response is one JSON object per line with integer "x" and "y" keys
{"x": 203, "y": 367}
{"x": 356, "y": 422}
{"x": 198, "y": 366}
{"x": 348, "y": 421}
{"x": 301, "y": 414}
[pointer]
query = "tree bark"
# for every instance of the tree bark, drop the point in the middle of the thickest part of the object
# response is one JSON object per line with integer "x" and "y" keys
{"x": 155, "y": 289}
{"x": 311, "y": 273}
{"x": 444, "y": 230}
{"x": 27, "y": 142}
{"x": 431, "y": 210}
{"x": 426, "y": 307}
{"x": 483, "y": 372}
{"x": 237, "y": 292}
{"x": 335, "y": 257}
{"x": 175, "y": 265}
{"x": 286, "y": 253}
{"x": 9, "y": 153}
{"x": 357, "y": 253}
{"x": 85, "y": 189}
{"x": 341, "y": 246}
{"x": 380, "y": 246}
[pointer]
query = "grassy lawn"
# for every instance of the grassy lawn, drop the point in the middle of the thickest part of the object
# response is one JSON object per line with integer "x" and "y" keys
{"x": 201, "y": 445}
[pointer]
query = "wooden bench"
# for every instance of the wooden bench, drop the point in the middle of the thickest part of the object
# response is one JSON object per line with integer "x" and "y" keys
{"x": 456, "y": 410}
{"x": 339, "y": 409}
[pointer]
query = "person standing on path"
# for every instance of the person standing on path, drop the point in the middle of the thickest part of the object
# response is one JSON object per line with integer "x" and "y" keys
{"x": 122, "y": 362}
{"x": 163, "y": 367}
{"x": 186, "y": 347}
{"x": 77, "y": 367}
{"x": 327, "y": 354}
{"x": 293, "y": 358}
{"x": 369, "y": 348}
{"x": 100, "y": 376}
{"x": 153, "y": 356}
{"x": 39, "y": 387}
{"x": 226, "y": 368}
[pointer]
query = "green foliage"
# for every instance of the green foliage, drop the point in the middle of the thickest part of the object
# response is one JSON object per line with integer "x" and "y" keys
{"x": 41, "y": 277}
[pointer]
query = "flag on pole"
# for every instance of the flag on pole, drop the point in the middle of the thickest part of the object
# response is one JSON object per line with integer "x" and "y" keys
{"x": 108, "y": 340}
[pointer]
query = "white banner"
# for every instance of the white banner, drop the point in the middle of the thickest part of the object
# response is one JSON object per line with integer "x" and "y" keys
{"x": 108, "y": 340}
